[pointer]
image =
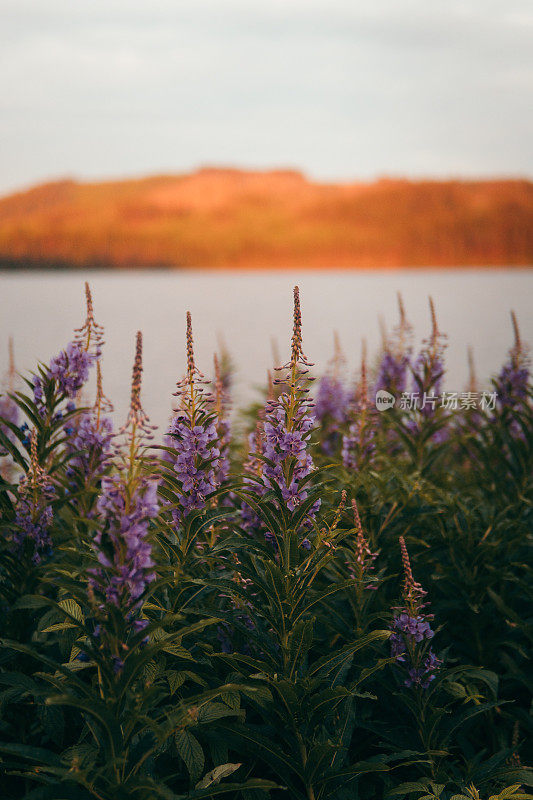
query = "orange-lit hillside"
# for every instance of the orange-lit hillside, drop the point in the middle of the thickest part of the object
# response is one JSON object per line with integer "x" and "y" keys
{"x": 229, "y": 217}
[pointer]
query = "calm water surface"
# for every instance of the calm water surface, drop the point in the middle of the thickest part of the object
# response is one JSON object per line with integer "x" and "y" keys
{"x": 249, "y": 310}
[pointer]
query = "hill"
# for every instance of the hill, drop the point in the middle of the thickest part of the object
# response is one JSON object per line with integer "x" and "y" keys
{"x": 235, "y": 218}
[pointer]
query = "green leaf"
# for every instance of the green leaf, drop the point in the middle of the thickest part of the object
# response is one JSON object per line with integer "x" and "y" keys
{"x": 191, "y": 753}
{"x": 216, "y": 775}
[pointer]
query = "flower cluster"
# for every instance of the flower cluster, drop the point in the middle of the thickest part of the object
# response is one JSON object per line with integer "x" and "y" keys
{"x": 196, "y": 460}
{"x": 411, "y": 629}
{"x": 91, "y": 436}
{"x": 122, "y": 547}
{"x": 358, "y": 443}
{"x": 223, "y": 427}
{"x": 69, "y": 369}
{"x": 428, "y": 368}
{"x": 33, "y": 512}
{"x": 288, "y": 425}
{"x": 193, "y": 436}
{"x": 396, "y": 357}
{"x": 331, "y": 402}
{"x": 90, "y": 444}
{"x": 127, "y": 503}
{"x": 513, "y": 381}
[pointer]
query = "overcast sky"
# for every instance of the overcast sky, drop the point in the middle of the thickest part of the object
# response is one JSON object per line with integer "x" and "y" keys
{"x": 343, "y": 89}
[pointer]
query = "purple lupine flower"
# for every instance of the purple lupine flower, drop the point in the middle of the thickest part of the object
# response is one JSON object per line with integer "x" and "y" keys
{"x": 428, "y": 368}
{"x": 427, "y": 376}
{"x": 288, "y": 425}
{"x": 396, "y": 357}
{"x": 123, "y": 550}
{"x": 127, "y": 503}
{"x": 193, "y": 435}
{"x": 91, "y": 443}
{"x": 331, "y": 399}
{"x": 392, "y": 373}
{"x": 223, "y": 426}
{"x": 358, "y": 444}
{"x": 70, "y": 368}
{"x": 331, "y": 407}
{"x": 196, "y": 460}
{"x": 33, "y": 512}
{"x": 512, "y": 384}
{"x": 411, "y": 630}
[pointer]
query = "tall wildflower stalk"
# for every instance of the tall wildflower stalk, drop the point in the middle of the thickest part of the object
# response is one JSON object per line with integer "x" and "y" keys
{"x": 127, "y": 503}
{"x": 288, "y": 426}
{"x": 222, "y": 424}
{"x": 411, "y": 630}
{"x": 427, "y": 416}
{"x": 358, "y": 443}
{"x": 33, "y": 510}
{"x": 90, "y": 431}
{"x": 195, "y": 455}
{"x": 428, "y": 368}
{"x": 332, "y": 400}
{"x": 360, "y": 563}
{"x": 394, "y": 365}
{"x": 512, "y": 384}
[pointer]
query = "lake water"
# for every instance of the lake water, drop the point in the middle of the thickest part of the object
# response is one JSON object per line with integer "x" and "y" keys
{"x": 249, "y": 310}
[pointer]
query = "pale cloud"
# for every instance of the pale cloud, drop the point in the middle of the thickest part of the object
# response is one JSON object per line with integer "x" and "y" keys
{"x": 341, "y": 88}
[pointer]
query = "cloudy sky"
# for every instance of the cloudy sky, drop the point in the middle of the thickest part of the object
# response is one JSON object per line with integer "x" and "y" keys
{"x": 343, "y": 89}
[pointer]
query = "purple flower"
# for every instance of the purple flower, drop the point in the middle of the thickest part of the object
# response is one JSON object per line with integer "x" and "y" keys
{"x": 33, "y": 520}
{"x": 286, "y": 437}
{"x": 193, "y": 434}
{"x": 196, "y": 460}
{"x": 90, "y": 444}
{"x": 330, "y": 410}
{"x": 331, "y": 400}
{"x": 358, "y": 444}
{"x": 33, "y": 512}
{"x": 282, "y": 435}
{"x": 428, "y": 368}
{"x": 70, "y": 368}
{"x": 392, "y": 373}
{"x": 411, "y": 630}
{"x": 512, "y": 384}
{"x": 122, "y": 548}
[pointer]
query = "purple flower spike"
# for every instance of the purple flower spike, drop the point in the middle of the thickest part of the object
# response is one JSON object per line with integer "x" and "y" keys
{"x": 33, "y": 512}
{"x": 512, "y": 384}
{"x": 288, "y": 426}
{"x": 358, "y": 443}
{"x": 122, "y": 548}
{"x": 70, "y": 368}
{"x": 411, "y": 630}
{"x": 193, "y": 434}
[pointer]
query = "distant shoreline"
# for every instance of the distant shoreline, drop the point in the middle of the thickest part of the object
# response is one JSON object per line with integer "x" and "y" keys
{"x": 271, "y": 220}
{"x": 26, "y": 269}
